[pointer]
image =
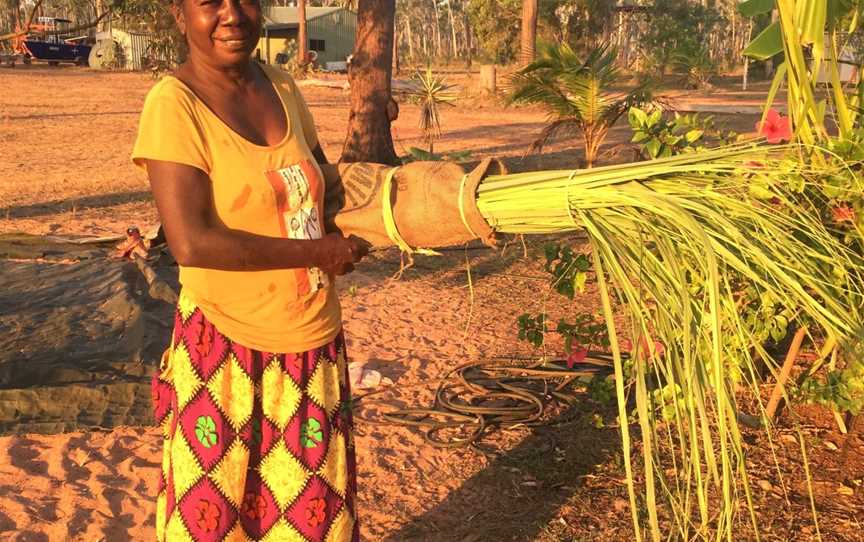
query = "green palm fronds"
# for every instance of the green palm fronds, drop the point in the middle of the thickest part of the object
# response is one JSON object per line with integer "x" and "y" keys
{"x": 576, "y": 94}
{"x": 667, "y": 235}
{"x": 430, "y": 91}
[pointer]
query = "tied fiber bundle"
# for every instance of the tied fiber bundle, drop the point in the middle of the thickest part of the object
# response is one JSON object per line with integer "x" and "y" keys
{"x": 422, "y": 204}
{"x": 674, "y": 242}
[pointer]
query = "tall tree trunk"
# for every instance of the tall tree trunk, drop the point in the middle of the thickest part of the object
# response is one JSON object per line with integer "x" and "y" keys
{"x": 468, "y": 45}
{"x": 369, "y": 138}
{"x": 452, "y": 29}
{"x": 302, "y": 40}
{"x": 396, "y": 36}
{"x": 437, "y": 30}
{"x": 528, "y": 39}
{"x": 410, "y": 38}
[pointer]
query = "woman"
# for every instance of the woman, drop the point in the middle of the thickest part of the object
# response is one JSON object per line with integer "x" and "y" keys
{"x": 252, "y": 396}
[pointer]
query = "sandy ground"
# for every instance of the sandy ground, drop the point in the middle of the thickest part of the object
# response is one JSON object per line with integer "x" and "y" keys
{"x": 65, "y": 137}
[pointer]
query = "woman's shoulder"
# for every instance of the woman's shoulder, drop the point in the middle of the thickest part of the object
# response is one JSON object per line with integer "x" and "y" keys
{"x": 279, "y": 77}
{"x": 171, "y": 89}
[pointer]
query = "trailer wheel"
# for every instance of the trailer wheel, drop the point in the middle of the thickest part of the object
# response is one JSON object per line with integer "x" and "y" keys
{"x": 27, "y": 60}
{"x": 80, "y": 61}
{"x": 53, "y": 63}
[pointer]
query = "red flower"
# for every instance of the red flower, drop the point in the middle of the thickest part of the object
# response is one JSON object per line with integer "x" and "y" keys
{"x": 776, "y": 127}
{"x": 254, "y": 506}
{"x": 315, "y": 514}
{"x": 576, "y": 356}
{"x": 208, "y": 516}
{"x": 843, "y": 213}
{"x": 644, "y": 347}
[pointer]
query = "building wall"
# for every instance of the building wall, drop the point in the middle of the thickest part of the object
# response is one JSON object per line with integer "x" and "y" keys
{"x": 277, "y": 43}
{"x": 337, "y": 30}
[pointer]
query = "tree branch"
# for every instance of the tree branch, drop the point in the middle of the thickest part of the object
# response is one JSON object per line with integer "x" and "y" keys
{"x": 26, "y": 30}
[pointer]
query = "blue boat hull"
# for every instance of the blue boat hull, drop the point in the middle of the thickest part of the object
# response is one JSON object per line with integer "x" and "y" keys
{"x": 57, "y": 52}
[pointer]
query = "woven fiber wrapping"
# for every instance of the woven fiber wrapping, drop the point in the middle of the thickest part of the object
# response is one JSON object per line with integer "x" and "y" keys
{"x": 433, "y": 204}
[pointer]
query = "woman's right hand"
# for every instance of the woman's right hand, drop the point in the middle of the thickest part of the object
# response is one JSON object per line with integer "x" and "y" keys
{"x": 338, "y": 254}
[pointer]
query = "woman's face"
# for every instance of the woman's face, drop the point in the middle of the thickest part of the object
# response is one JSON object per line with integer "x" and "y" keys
{"x": 220, "y": 32}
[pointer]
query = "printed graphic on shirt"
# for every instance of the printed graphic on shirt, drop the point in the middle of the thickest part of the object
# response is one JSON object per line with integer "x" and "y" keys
{"x": 298, "y": 190}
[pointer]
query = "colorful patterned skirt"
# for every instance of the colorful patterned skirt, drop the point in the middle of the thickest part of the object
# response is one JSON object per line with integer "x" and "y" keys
{"x": 258, "y": 446}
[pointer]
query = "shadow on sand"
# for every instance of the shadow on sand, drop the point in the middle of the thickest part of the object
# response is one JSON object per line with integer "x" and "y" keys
{"x": 521, "y": 490}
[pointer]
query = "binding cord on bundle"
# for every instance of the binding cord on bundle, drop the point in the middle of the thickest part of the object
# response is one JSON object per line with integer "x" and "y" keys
{"x": 393, "y": 231}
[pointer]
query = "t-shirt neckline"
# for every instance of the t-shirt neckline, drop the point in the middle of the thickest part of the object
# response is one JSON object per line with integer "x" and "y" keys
{"x": 242, "y": 138}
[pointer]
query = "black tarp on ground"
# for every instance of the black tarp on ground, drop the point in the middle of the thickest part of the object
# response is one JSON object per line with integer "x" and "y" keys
{"x": 79, "y": 340}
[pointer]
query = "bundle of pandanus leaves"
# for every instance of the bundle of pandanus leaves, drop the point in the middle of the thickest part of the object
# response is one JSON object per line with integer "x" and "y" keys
{"x": 675, "y": 244}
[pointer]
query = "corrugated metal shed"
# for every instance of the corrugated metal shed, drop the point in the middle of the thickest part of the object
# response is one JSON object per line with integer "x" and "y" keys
{"x": 330, "y": 30}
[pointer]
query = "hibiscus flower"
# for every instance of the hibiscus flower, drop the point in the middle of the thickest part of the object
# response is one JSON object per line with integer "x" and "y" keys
{"x": 843, "y": 213}
{"x": 776, "y": 127}
{"x": 578, "y": 355}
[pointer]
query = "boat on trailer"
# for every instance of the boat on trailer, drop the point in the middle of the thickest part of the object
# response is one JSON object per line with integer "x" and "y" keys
{"x": 50, "y": 40}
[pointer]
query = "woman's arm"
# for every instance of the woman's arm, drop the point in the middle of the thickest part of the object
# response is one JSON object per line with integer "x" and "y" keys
{"x": 197, "y": 238}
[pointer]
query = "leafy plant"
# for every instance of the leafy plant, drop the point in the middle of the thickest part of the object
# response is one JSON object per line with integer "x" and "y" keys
{"x": 569, "y": 270}
{"x": 430, "y": 92}
{"x": 696, "y": 66}
{"x": 532, "y": 328}
{"x": 576, "y": 94}
{"x": 677, "y": 28}
{"x": 661, "y": 136}
{"x": 840, "y": 389}
{"x": 416, "y": 154}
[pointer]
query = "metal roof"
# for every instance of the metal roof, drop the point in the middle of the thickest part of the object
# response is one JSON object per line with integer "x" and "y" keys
{"x": 286, "y": 16}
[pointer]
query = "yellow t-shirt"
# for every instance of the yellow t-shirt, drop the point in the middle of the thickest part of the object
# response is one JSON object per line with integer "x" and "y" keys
{"x": 276, "y": 191}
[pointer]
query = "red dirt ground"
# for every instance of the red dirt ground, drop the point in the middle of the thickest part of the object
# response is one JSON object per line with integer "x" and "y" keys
{"x": 65, "y": 138}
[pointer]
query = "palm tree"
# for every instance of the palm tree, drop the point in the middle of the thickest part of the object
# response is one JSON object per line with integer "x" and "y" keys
{"x": 576, "y": 94}
{"x": 430, "y": 92}
{"x": 528, "y": 36}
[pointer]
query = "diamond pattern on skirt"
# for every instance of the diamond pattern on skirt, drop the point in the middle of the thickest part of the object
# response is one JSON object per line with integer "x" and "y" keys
{"x": 300, "y": 366}
{"x": 206, "y": 429}
{"x": 320, "y": 388}
{"x": 308, "y": 433}
{"x": 259, "y": 434}
{"x": 230, "y": 474}
{"x": 206, "y": 346}
{"x": 284, "y": 474}
{"x": 175, "y": 530}
{"x": 259, "y": 510}
{"x": 162, "y": 396}
{"x": 206, "y": 512}
{"x": 247, "y": 359}
{"x": 184, "y": 377}
{"x": 314, "y": 510}
{"x": 257, "y": 445}
{"x": 335, "y": 468}
{"x": 232, "y": 390}
{"x": 185, "y": 468}
{"x": 341, "y": 527}
{"x": 283, "y": 532}
{"x": 185, "y": 307}
{"x": 280, "y": 396}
